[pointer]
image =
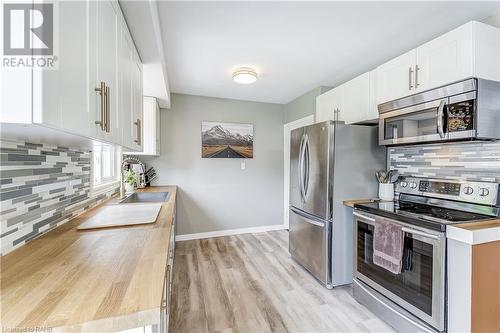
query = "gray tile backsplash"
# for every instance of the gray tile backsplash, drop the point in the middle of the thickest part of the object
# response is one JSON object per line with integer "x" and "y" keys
{"x": 464, "y": 160}
{"x": 41, "y": 187}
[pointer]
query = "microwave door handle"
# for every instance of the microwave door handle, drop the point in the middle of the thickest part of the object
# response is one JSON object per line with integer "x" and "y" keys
{"x": 440, "y": 117}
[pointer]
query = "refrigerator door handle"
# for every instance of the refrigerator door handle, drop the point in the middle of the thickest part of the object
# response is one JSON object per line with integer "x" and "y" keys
{"x": 307, "y": 158}
{"x": 300, "y": 171}
{"x": 309, "y": 218}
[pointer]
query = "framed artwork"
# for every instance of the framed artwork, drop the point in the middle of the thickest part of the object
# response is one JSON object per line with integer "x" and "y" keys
{"x": 226, "y": 140}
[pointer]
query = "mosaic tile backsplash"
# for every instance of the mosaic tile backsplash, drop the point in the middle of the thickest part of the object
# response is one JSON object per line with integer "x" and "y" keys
{"x": 41, "y": 187}
{"x": 474, "y": 161}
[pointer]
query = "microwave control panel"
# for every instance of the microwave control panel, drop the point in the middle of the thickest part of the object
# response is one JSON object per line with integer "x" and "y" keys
{"x": 476, "y": 192}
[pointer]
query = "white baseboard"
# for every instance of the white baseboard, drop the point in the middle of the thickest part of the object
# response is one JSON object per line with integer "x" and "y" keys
{"x": 229, "y": 232}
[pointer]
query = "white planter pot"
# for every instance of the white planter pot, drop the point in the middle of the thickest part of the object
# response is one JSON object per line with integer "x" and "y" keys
{"x": 129, "y": 188}
{"x": 386, "y": 192}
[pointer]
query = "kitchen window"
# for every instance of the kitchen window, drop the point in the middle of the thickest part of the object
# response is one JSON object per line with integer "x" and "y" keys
{"x": 105, "y": 167}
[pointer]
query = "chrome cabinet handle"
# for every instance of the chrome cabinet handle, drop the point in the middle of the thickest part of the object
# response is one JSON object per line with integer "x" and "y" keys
{"x": 139, "y": 132}
{"x": 336, "y": 114}
{"x": 102, "y": 92}
{"x": 410, "y": 73}
{"x": 106, "y": 114}
{"x": 440, "y": 115}
{"x": 416, "y": 76}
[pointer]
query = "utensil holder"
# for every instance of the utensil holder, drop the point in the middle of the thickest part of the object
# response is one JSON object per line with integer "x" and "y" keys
{"x": 386, "y": 191}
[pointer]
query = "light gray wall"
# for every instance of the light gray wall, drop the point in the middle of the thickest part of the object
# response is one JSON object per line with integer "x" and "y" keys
{"x": 303, "y": 105}
{"x": 493, "y": 20}
{"x": 215, "y": 194}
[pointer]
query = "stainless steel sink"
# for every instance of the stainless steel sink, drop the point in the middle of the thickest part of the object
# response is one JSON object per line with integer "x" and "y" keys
{"x": 138, "y": 197}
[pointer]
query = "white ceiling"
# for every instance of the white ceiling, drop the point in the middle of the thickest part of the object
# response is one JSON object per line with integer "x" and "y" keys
{"x": 295, "y": 46}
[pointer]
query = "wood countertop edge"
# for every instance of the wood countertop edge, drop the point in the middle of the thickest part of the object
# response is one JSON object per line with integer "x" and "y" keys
{"x": 351, "y": 202}
{"x": 475, "y": 233}
{"x": 122, "y": 267}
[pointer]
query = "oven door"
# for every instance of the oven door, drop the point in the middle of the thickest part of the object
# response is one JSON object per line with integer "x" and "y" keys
{"x": 420, "y": 287}
{"x": 419, "y": 123}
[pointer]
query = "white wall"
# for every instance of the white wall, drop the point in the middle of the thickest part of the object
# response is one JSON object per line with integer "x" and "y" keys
{"x": 215, "y": 194}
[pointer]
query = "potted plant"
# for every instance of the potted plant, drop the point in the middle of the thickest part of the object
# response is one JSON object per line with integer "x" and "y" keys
{"x": 129, "y": 178}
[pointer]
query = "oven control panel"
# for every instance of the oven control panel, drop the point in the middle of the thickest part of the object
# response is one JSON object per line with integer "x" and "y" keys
{"x": 476, "y": 192}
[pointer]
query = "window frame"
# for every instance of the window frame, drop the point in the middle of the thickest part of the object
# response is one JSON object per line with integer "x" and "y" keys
{"x": 98, "y": 165}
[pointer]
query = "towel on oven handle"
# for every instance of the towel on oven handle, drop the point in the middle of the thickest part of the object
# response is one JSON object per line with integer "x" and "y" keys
{"x": 388, "y": 246}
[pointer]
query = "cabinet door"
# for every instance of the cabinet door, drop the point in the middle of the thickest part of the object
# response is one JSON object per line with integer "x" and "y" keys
{"x": 356, "y": 99}
{"x": 60, "y": 96}
{"x": 137, "y": 104}
{"x": 158, "y": 130}
{"x": 126, "y": 98}
{"x": 328, "y": 104}
{"x": 372, "y": 111}
{"x": 107, "y": 72}
{"x": 395, "y": 78}
{"x": 445, "y": 59}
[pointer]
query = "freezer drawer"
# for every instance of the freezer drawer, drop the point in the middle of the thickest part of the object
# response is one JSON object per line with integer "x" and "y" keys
{"x": 308, "y": 244}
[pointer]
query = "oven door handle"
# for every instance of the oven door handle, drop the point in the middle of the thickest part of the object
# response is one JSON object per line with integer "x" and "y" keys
{"x": 363, "y": 217}
{"x": 417, "y": 232}
{"x": 440, "y": 117}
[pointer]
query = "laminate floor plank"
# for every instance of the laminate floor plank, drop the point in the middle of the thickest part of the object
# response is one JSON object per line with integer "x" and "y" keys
{"x": 249, "y": 284}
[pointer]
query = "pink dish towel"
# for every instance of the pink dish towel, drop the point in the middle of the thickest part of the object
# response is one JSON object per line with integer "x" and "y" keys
{"x": 388, "y": 246}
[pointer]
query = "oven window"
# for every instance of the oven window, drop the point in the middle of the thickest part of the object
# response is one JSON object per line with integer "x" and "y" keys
{"x": 461, "y": 116}
{"x": 414, "y": 283}
{"x": 411, "y": 125}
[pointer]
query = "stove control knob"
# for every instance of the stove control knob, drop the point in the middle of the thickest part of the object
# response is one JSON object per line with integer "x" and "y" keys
{"x": 413, "y": 185}
{"x": 468, "y": 190}
{"x": 484, "y": 192}
{"x": 403, "y": 184}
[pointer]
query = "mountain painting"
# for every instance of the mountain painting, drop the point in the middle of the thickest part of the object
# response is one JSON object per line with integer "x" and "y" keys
{"x": 226, "y": 140}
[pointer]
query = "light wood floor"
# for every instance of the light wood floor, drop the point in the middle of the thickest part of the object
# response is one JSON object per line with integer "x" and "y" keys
{"x": 249, "y": 283}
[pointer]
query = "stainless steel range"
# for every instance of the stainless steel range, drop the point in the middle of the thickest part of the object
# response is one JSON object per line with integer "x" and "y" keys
{"x": 414, "y": 299}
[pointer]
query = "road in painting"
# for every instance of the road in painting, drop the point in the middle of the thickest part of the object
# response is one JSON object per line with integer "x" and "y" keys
{"x": 226, "y": 140}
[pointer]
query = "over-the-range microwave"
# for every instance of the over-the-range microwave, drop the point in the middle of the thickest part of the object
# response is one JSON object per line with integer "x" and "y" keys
{"x": 464, "y": 110}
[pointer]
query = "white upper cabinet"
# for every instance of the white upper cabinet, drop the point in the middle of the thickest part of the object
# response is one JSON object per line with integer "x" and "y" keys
{"x": 351, "y": 102}
{"x": 359, "y": 103}
{"x": 137, "y": 104}
{"x": 395, "y": 77}
{"x": 60, "y": 96}
{"x": 471, "y": 50}
{"x": 95, "y": 92}
{"x": 151, "y": 124}
{"x": 445, "y": 59}
{"x": 106, "y": 73}
{"x": 329, "y": 104}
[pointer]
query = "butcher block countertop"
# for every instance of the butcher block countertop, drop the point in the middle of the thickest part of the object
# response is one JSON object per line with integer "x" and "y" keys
{"x": 88, "y": 280}
{"x": 351, "y": 203}
{"x": 474, "y": 233}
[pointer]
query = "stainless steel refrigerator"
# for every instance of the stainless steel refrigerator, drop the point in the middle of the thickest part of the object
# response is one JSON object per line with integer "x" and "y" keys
{"x": 330, "y": 162}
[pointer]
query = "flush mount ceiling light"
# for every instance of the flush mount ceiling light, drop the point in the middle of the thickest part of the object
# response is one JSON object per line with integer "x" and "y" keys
{"x": 244, "y": 75}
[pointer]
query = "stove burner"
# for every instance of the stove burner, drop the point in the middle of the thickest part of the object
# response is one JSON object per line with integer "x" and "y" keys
{"x": 429, "y": 212}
